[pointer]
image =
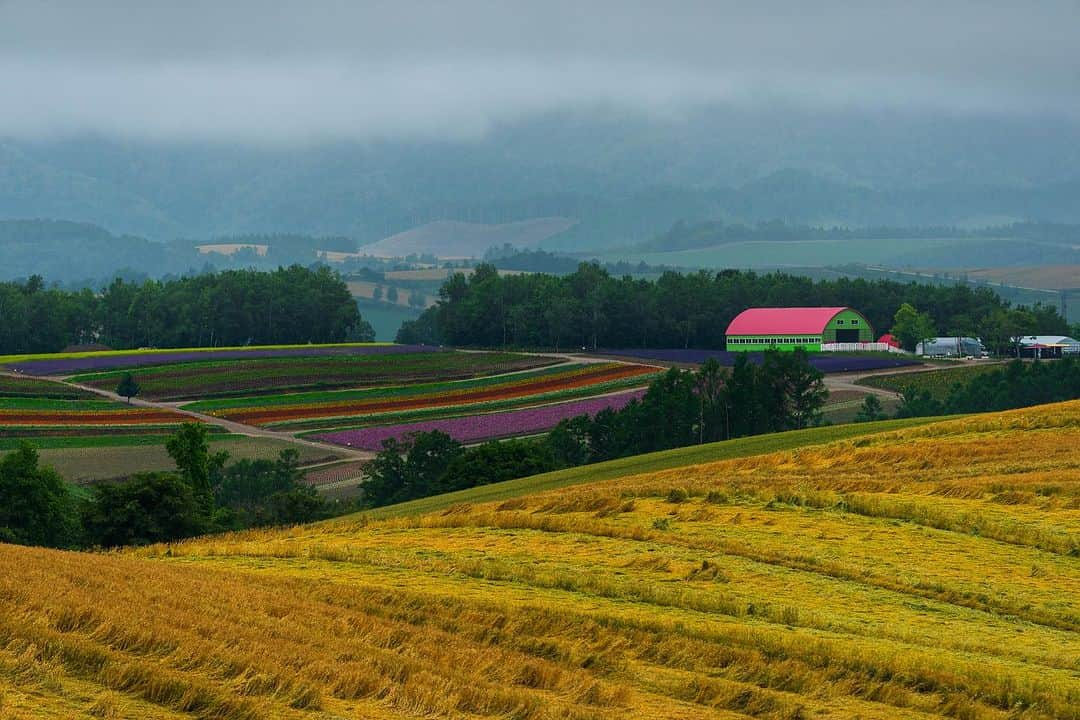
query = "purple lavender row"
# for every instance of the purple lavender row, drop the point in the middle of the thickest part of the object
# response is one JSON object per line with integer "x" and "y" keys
{"x": 68, "y": 366}
{"x": 475, "y": 428}
{"x": 827, "y": 363}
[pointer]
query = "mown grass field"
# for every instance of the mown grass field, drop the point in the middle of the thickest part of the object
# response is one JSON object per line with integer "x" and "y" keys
{"x": 236, "y": 377}
{"x": 936, "y": 382}
{"x": 923, "y": 570}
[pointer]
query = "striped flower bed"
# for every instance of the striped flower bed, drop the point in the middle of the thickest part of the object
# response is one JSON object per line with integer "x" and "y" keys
{"x": 135, "y": 416}
{"x": 511, "y": 387}
{"x": 490, "y": 426}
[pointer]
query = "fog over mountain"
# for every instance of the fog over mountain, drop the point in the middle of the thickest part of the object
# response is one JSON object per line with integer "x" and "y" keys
{"x": 210, "y": 118}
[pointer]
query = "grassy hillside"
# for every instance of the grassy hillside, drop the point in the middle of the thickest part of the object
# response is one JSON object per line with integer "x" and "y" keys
{"x": 921, "y": 571}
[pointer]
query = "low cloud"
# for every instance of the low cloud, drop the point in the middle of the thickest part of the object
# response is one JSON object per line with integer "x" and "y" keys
{"x": 290, "y": 72}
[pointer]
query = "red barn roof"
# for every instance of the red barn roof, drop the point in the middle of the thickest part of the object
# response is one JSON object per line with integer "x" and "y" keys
{"x": 783, "y": 321}
{"x": 889, "y": 339}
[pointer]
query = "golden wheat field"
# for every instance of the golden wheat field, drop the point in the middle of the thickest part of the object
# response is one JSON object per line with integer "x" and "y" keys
{"x": 925, "y": 572}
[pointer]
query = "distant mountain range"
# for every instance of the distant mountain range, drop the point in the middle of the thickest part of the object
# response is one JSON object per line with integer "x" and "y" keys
{"x": 623, "y": 179}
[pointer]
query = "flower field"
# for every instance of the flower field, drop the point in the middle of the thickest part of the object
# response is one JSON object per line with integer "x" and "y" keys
{"x": 912, "y": 572}
{"x": 486, "y": 426}
{"x": 31, "y": 418}
{"x": 256, "y": 375}
{"x": 825, "y": 362}
{"x": 544, "y": 385}
{"x": 70, "y": 363}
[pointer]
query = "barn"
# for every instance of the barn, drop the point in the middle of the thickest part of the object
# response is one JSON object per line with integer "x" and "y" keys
{"x": 810, "y": 328}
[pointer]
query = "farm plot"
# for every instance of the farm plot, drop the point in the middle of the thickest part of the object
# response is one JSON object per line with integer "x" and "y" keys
{"x": 380, "y": 405}
{"x": 936, "y": 382}
{"x": 252, "y": 376}
{"x": 63, "y": 364}
{"x": 825, "y": 362}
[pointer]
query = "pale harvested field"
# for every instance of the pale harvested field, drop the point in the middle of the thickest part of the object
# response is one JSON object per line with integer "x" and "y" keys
{"x": 929, "y": 571}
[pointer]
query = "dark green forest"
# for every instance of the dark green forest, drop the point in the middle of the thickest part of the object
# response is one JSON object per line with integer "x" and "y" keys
{"x": 235, "y": 307}
{"x": 206, "y": 493}
{"x": 591, "y": 308}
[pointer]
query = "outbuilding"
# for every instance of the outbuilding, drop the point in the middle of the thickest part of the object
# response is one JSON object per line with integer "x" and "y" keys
{"x": 760, "y": 329}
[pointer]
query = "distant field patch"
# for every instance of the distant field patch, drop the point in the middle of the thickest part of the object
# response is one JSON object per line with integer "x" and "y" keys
{"x": 1044, "y": 277}
{"x": 232, "y": 248}
{"x": 808, "y": 253}
{"x": 261, "y": 375}
{"x": 936, "y": 382}
{"x": 366, "y": 290}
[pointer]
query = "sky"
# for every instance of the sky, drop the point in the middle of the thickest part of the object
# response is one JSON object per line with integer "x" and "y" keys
{"x": 313, "y": 71}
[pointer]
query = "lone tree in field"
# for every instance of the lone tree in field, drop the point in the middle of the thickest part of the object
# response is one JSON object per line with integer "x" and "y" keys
{"x": 127, "y": 388}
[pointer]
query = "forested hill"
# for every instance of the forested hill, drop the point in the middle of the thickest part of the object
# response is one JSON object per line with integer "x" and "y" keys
{"x": 590, "y": 308}
{"x": 81, "y": 253}
{"x": 236, "y": 307}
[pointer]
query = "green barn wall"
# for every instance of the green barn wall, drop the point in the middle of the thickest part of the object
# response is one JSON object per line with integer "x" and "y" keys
{"x": 843, "y": 320}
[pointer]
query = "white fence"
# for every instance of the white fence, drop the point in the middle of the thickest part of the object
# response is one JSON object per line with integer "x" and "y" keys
{"x": 862, "y": 347}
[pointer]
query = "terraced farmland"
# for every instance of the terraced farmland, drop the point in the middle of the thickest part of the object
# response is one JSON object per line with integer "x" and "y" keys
{"x": 923, "y": 571}
{"x": 244, "y": 376}
{"x": 357, "y": 408}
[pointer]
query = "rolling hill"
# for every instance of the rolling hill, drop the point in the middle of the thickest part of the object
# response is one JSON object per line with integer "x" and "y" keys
{"x": 909, "y": 572}
{"x": 452, "y": 239}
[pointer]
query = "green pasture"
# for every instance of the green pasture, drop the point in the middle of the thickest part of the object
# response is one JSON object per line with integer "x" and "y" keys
{"x": 810, "y": 253}
{"x": 638, "y": 464}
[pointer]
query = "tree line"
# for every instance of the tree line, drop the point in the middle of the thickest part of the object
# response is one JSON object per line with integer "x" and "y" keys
{"x": 590, "y": 308}
{"x": 1017, "y": 384}
{"x": 235, "y": 307}
{"x": 206, "y": 493}
{"x": 680, "y": 408}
